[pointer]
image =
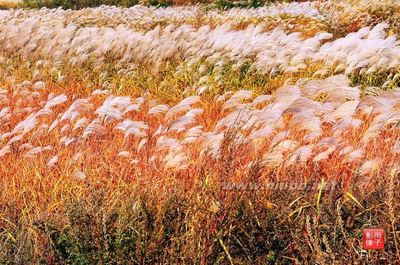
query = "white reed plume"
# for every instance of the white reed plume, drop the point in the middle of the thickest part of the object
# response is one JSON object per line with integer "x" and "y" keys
{"x": 5, "y": 150}
{"x": 94, "y": 128}
{"x": 182, "y": 122}
{"x": 52, "y": 161}
{"x": 370, "y": 166}
{"x": 184, "y": 105}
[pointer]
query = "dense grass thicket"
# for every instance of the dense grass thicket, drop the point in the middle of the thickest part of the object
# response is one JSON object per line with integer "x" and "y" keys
{"x": 199, "y": 135}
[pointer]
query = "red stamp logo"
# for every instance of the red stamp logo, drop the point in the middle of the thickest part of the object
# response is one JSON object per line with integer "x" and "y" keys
{"x": 373, "y": 239}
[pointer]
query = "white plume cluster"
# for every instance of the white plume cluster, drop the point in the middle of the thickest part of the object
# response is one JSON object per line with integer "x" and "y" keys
{"x": 289, "y": 127}
{"x": 57, "y": 37}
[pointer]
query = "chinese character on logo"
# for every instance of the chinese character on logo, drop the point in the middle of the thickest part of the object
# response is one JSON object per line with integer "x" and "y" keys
{"x": 373, "y": 239}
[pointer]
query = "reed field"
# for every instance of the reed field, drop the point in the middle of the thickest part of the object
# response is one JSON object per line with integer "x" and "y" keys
{"x": 209, "y": 132}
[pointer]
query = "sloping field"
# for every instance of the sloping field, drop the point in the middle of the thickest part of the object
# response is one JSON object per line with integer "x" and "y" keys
{"x": 191, "y": 134}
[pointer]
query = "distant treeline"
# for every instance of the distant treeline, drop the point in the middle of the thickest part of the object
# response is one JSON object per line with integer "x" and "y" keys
{"x": 78, "y": 4}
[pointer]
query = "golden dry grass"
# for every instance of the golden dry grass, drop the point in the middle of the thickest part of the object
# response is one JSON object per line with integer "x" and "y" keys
{"x": 205, "y": 161}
